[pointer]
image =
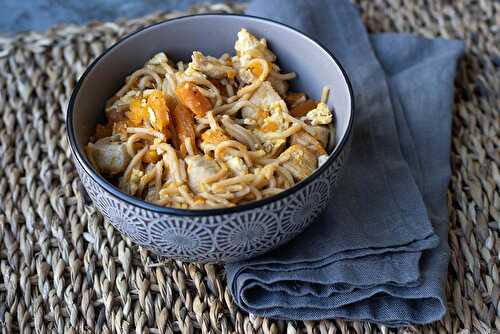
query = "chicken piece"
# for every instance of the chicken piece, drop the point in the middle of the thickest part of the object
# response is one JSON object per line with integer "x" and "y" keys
{"x": 211, "y": 66}
{"x": 305, "y": 139}
{"x": 248, "y": 45}
{"x": 322, "y": 134}
{"x": 320, "y": 115}
{"x": 110, "y": 158}
{"x": 199, "y": 168}
{"x": 300, "y": 161}
{"x": 280, "y": 86}
{"x": 191, "y": 97}
{"x": 237, "y": 166}
{"x": 265, "y": 96}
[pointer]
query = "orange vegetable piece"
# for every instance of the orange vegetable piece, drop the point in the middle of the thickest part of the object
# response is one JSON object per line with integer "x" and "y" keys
{"x": 151, "y": 157}
{"x": 138, "y": 112}
{"x": 191, "y": 97}
{"x": 156, "y": 101}
{"x": 231, "y": 74}
{"x": 214, "y": 136}
{"x": 184, "y": 126}
{"x": 303, "y": 108}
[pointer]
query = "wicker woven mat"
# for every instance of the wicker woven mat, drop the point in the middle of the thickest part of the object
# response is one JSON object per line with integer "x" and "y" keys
{"x": 63, "y": 269}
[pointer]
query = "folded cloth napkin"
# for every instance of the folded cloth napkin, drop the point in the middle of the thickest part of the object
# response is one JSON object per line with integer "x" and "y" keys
{"x": 379, "y": 253}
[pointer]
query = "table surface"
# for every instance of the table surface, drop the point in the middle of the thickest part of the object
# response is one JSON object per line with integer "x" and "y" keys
{"x": 64, "y": 269}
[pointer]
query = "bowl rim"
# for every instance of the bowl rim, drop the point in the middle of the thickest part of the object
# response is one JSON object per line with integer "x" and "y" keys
{"x": 113, "y": 190}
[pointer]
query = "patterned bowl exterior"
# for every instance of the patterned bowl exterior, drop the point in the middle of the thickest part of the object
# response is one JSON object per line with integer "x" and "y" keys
{"x": 221, "y": 237}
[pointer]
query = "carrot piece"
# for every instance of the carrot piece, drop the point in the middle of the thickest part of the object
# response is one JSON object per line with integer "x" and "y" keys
{"x": 156, "y": 101}
{"x": 151, "y": 157}
{"x": 191, "y": 97}
{"x": 303, "y": 108}
{"x": 184, "y": 126}
{"x": 231, "y": 74}
{"x": 269, "y": 127}
{"x": 138, "y": 112}
{"x": 257, "y": 68}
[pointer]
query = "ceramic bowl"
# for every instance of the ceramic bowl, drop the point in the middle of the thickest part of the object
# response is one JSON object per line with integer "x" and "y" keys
{"x": 214, "y": 235}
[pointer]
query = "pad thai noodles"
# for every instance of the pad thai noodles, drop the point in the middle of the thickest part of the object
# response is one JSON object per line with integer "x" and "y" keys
{"x": 214, "y": 132}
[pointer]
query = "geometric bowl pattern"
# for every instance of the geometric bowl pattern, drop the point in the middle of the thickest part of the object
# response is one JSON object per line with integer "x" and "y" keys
{"x": 219, "y": 237}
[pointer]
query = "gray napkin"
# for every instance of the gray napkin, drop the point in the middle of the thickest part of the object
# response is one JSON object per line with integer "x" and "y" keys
{"x": 379, "y": 253}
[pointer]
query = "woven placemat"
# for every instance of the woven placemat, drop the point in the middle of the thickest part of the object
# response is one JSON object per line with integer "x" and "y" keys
{"x": 64, "y": 269}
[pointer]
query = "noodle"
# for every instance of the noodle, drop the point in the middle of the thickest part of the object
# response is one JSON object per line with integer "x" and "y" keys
{"x": 133, "y": 78}
{"x": 251, "y": 146}
{"x": 240, "y": 133}
{"x": 133, "y": 139}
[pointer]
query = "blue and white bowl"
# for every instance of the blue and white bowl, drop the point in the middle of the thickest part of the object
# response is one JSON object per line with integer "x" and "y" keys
{"x": 226, "y": 234}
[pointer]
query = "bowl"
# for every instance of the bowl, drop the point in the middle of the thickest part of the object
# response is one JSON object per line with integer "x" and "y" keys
{"x": 212, "y": 235}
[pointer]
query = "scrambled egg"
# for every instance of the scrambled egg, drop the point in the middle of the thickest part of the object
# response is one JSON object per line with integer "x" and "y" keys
{"x": 249, "y": 46}
{"x": 269, "y": 122}
{"x": 320, "y": 115}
